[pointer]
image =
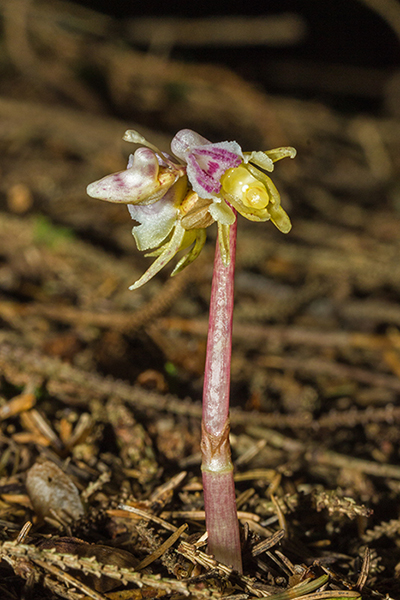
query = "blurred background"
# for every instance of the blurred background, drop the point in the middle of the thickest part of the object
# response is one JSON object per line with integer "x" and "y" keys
{"x": 317, "y": 311}
{"x": 321, "y": 77}
{"x": 343, "y": 54}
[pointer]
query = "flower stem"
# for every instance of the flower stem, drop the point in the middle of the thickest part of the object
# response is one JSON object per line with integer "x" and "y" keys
{"x": 219, "y": 490}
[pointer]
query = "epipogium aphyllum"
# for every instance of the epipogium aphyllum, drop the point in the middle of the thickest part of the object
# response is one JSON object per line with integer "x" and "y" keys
{"x": 174, "y": 198}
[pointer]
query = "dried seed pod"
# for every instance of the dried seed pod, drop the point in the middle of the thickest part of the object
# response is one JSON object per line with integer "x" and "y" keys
{"x": 52, "y": 492}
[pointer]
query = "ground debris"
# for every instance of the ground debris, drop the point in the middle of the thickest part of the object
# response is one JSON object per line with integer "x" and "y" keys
{"x": 100, "y": 387}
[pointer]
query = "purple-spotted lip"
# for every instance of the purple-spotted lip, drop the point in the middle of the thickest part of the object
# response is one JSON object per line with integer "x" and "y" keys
{"x": 207, "y": 164}
{"x": 205, "y": 167}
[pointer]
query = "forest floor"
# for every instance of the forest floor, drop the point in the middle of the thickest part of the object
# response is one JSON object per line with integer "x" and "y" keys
{"x": 100, "y": 387}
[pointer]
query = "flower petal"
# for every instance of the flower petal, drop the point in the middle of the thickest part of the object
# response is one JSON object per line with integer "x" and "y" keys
{"x": 185, "y": 140}
{"x": 258, "y": 215}
{"x": 279, "y": 153}
{"x": 280, "y": 219}
{"x": 170, "y": 249}
{"x": 268, "y": 183}
{"x": 261, "y": 159}
{"x": 193, "y": 254}
{"x": 156, "y": 222}
{"x": 222, "y": 213}
{"x": 138, "y": 184}
{"x": 157, "y": 219}
{"x": 206, "y": 162}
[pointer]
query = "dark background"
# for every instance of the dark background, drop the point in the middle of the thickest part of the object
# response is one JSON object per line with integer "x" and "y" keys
{"x": 345, "y": 33}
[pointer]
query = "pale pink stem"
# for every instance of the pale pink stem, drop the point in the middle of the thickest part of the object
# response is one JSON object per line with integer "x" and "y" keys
{"x": 219, "y": 490}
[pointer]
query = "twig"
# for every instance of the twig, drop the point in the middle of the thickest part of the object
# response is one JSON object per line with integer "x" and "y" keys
{"x": 161, "y": 549}
{"x": 287, "y": 334}
{"x": 148, "y": 517}
{"x": 218, "y": 31}
{"x": 119, "y": 321}
{"x": 320, "y": 366}
{"x": 22, "y": 365}
{"x": 268, "y": 543}
{"x": 92, "y": 566}
{"x": 68, "y": 579}
{"x": 312, "y": 453}
{"x": 363, "y": 576}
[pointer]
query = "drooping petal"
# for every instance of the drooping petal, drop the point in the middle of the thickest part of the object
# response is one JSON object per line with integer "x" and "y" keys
{"x": 194, "y": 252}
{"x": 143, "y": 182}
{"x": 279, "y": 153}
{"x": 280, "y": 218}
{"x": 222, "y": 213}
{"x": 168, "y": 253}
{"x": 223, "y": 241}
{"x": 157, "y": 220}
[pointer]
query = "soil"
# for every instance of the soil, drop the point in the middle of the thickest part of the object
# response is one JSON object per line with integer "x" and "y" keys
{"x": 100, "y": 387}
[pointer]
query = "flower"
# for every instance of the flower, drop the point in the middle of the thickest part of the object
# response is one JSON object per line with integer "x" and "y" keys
{"x": 175, "y": 201}
{"x": 225, "y": 174}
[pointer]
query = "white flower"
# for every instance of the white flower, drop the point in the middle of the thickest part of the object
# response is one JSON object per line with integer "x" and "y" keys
{"x": 174, "y": 202}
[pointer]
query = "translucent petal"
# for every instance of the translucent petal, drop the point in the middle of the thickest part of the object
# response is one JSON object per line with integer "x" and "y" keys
{"x": 280, "y": 219}
{"x": 194, "y": 252}
{"x": 279, "y": 153}
{"x": 223, "y": 241}
{"x": 258, "y": 215}
{"x": 222, "y": 213}
{"x": 268, "y": 183}
{"x": 261, "y": 159}
{"x": 247, "y": 189}
{"x": 157, "y": 219}
{"x": 170, "y": 249}
{"x": 273, "y": 191}
{"x": 156, "y": 222}
{"x": 187, "y": 241}
{"x": 157, "y": 251}
{"x": 185, "y": 140}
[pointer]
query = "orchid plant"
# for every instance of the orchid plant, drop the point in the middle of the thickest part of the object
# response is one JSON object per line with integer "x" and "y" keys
{"x": 174, "y": 199}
